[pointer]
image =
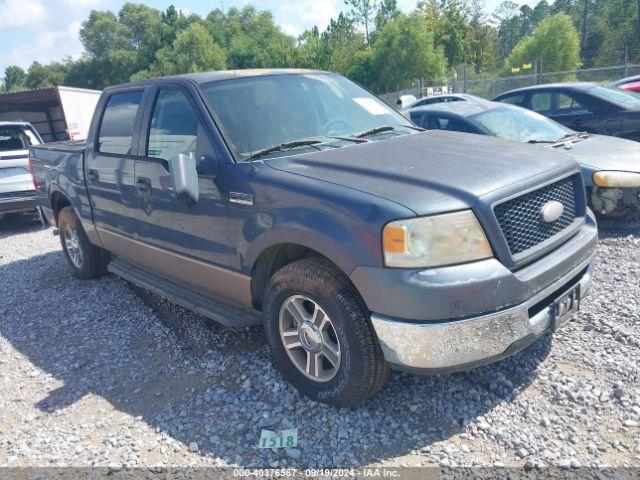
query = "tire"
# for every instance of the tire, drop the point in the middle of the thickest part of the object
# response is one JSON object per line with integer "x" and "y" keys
{"x": 86, "y": 260}
{"x": 322, "y": 292}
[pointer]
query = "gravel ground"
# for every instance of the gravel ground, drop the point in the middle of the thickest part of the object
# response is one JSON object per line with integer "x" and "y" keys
{"x": 90, "y": 374}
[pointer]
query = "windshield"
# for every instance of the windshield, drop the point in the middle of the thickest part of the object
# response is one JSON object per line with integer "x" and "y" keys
{"x": 262, "y": 112}
{"x": 624, "y": 98}
{"x": 16, "y": 137}
{"x": 520, "y": 125}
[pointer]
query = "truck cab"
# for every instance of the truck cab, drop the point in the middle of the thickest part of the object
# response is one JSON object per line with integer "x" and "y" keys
{"x": 298, "y": 200}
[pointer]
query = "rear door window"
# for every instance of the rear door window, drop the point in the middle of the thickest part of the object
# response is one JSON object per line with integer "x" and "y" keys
{"x": 118, "y": 120}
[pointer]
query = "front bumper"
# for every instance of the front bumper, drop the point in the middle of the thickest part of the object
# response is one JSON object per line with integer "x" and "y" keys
{"x": 18, "y": 202}
{"x": 464, "y": 344}
{"x": 458, "y": 317}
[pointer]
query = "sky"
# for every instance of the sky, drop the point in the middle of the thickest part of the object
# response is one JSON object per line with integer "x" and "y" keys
{"x": 47, "y": 30}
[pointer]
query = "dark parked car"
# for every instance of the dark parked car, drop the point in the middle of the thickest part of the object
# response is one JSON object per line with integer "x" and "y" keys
{"x": 610, "y": 166}
{"x": 358, "y": 240}
{"x": 584, "y": 107}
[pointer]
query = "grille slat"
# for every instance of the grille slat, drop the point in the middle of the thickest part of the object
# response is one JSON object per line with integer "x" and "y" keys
{"x": 520, "y": 218}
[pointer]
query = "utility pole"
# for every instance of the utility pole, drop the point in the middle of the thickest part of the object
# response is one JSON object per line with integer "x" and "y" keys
{"x": 626, "y": 59}
{"x": 585, "y": 19}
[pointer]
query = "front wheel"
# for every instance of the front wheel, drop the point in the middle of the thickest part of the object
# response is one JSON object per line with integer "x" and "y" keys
{"x": 320, "y": 335}
{"x": 86, "y": 260}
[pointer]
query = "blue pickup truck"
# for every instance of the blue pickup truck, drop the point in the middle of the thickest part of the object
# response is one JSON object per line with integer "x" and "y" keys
{"x": 298, "y": 200}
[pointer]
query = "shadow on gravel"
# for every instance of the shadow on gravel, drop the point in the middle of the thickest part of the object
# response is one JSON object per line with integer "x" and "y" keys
{"x": 618, "y": 228}
{"x": 13, "y": 224}
{"x": 199, "y": 382}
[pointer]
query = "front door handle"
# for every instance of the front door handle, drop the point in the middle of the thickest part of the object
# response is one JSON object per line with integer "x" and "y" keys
{"x": 93, "y": 175}
{"x": 144, "y": 187}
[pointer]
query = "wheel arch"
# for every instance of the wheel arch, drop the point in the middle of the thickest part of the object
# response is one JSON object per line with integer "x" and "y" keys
{"x": 276, "y": 256}
{"x": 59, "y": 201}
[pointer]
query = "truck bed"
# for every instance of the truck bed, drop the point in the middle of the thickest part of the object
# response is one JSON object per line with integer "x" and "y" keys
{"x": 59, "y": 168}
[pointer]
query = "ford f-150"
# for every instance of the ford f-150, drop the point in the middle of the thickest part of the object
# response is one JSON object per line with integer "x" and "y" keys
{"x": 298, "y": 200}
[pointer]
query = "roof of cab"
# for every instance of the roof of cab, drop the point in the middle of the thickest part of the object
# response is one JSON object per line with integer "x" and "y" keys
{"x": 206, "y": 77}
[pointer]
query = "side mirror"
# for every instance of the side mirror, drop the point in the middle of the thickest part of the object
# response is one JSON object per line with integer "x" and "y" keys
{"x": 185, "y": 178}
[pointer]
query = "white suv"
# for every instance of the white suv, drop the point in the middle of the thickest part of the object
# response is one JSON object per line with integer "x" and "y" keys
{"x": 17, "y": 192}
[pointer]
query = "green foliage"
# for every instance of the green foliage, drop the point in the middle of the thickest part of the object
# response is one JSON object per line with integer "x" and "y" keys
{"x": 40, "y": 76}
{"x": 14, "y": 78}
{"x": 373, "y": 42}
{"x": 363, "y": 13}
{"x": 404, "y": 50}
{"x": 193, "y": 50}
{"x": 620, "y": 27}
{"x": 554, "y": 46}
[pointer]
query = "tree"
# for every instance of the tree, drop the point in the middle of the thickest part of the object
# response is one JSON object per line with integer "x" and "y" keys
{"x": 192, "y": 51}
{"x": 554, "y": 45}
{"x": 509, "y": 26}
{"x": 387, "y": 12}
{"x": 103, "y": 35}
{"x": 620, "y": 32}
{"x": 483, "y": 39}
{"x": 404, "y": 50}
{"x": 363, "y": 12}
{"x": 14, "y": 78}
{"x": 448, "y": 20}
{"x": 41, "y": 76}
{"x": 145, "y": 32}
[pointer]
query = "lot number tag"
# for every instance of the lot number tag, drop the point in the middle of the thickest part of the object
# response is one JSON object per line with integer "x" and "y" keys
{"x": 279, "y": 439}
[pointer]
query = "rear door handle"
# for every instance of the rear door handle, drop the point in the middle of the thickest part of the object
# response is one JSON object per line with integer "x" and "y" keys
{"x": 144, "y": 187}
{"x": 94, "y": 176}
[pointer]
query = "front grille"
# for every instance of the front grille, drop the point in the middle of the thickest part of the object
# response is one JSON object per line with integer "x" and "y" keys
{"x": 24, "y": 194}
{"x": 520, "y": 218}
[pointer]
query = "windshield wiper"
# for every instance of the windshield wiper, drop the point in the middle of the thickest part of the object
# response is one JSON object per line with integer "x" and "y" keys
{"x": 542, "y": 141}
{"x": 285, "y": 146}
{"x": 374, "y": 131}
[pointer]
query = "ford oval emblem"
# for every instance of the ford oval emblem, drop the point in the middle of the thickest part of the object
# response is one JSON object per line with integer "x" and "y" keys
{"x": 551, "y": 211}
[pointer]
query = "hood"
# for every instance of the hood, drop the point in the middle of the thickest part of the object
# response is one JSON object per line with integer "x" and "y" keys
{"x": 434, "y": 171}
{"x": 605, "y": 153}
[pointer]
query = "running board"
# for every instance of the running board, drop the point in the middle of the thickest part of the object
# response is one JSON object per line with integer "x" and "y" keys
{"x": 224, "y": 313}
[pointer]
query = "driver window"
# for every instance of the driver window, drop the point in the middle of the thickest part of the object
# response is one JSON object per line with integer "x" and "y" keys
{"x": 174, "y": 126}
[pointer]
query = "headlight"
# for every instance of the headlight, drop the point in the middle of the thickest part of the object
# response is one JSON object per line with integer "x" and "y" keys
{"x": 435, "y": 241}
{"x": 616, "y": 179}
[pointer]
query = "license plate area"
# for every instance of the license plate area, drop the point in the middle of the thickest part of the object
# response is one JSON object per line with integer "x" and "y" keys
{"x": 565, "y": 307}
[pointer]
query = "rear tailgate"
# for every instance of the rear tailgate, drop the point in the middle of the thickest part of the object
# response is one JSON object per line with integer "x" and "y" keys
{"x": 14, "y": 172}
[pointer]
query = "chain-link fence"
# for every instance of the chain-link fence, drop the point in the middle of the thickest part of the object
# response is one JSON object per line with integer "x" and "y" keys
{"x": 490, "y": 87}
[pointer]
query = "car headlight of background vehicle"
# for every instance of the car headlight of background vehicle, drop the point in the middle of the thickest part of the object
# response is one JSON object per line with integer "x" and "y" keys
{"x": 436, "y": 240}
{"x": 615, "y": 179}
